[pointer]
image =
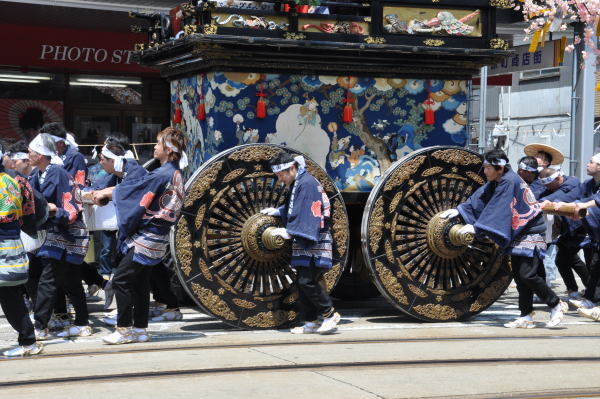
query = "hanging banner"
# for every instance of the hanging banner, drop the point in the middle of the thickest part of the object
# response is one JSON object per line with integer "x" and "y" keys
{"x": 79, "y": 49}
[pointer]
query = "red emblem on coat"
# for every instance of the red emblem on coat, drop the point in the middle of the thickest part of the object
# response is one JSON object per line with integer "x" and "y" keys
{"x": 147, "y": 199}
{"x": 316, "y": 209}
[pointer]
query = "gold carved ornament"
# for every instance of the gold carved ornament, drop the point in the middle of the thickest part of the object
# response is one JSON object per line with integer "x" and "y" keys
{"x": 376, "y": 224}
{"x": 253, "y": 153}
{"x": 203, "y": 183}
{"x": 331, "y": 276}
{"x": 432, "y": 171}
{"x": 272, "y": 318}
{"x": 183, "y": 243}
{"x": 242, "y": 303}
{"x": 404, "y": 172}
{"x": 139, "y": 47}
{"x": 434, "y": 42}
{"x": 294, "y": 36}
{"x": 210, "y": 29}
{"x": 390, "y": 283}
{"x": 474, "y": 176}
{"x": 499, "y": 44}
{"x": 438, "y": 312}
{"x": 189, "y": 29}
{"x": 505, "y": 4}
{"x": 375, "y": 40}
{"x": 490, "y": 294}
{"x": 234, "y": 174}
{"x": 457, "y": 157}
{"x": 339, "y": 227}
{"x": 213, "y": 302}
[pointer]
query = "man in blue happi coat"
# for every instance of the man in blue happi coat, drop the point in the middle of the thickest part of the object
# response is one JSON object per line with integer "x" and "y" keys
{"x": 505, "y": 210}
{"x": 306, "y": 215}
{"x": 67, "y": 149}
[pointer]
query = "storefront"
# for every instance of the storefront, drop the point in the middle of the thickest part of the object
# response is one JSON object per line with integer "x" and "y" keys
{"x": 85, "y": 78}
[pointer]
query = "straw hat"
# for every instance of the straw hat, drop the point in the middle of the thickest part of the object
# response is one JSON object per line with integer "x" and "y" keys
{"x": 532, "y": 150}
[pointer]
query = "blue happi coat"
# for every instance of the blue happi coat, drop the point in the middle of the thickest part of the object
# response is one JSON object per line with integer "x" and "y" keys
{"x": 147, "y": 207}
{"x": 306, "y": 215}
{"x": 507, "y": 212}
{"x": 74, "y": 164}
{"x": 537, "y": 188}
{"x": 591, "y": 191}
{"x": 67, "y": 234}
{"x": 573, "y": 232}
{"x": 567, "y": 192}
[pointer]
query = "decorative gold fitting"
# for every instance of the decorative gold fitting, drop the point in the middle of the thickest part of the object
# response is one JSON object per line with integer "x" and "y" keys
{"x": 375, "y": 40}
{"x": 460, "y": 239}
{"x": 271, "y": 241}
{"x": 499, "y": 44}
{"x": 139, "y": 47}
{"x": 294, "y": 36}
{"x": 135, "y": 28}
{"x": 189, "y": 29}
{"x": 501, "y": 4}
{"x": 210, "y": 29}
{"x": 434, "y": 42}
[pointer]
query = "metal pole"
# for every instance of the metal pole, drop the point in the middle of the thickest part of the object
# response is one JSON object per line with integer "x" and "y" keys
{"x": 482, "y": 108}
{"x": 573, "y": 141}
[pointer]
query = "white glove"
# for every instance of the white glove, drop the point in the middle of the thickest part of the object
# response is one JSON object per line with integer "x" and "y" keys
{"x": 281, "y": 232}
{"x": 270, "y": 212}
{"x": 449, "y": 213}
{"x": 467, "y": 229}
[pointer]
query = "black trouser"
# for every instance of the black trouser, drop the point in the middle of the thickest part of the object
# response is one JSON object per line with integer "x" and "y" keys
{"x": 90, "y": 275}
{"x": 35, "y": 271}
{"x": 160, "y": 281}
{"x": 528, "y": 281}
{"x": 594, "y": 275}
{"x": 11, "y": 300}
{"x": 567, "y": 260}
{"x": 314, "y": 299}
{"x": 65, "y": 275}
{"x": 131, "y": 282}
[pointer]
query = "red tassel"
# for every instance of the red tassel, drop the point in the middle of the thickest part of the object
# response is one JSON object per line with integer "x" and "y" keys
{"x": 201, "y": 111}
{"x": 347, "y": 116}
{"x": 286, "y": 8}
{"x": 347, "y": 113}
{"x": 429, "y": 116}
{"x": 177, "y": 118}
{"x": 261, "y": 108}
{"x": 302, "y": 9}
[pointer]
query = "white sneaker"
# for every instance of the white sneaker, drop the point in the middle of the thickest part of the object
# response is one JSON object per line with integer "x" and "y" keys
{"x": 27, "y": 350}
{"x": 110, "y": 320}
{"x": 140, "y": 335}
{"x": 76, "y": 331}
{"x": 41, "y": 335}
{"x": 329, "y": 324}
{"x": 169, "y": 315}
{"x": 593, "y": 313}
{"x": 581, "y": 303}
{"x": 308, "y": 328}
{"x": 557, "y": 314}
{"x": 121, "y": 335}
{"x": 522, "y": 322}
{"x": 157, "y": 310}
{"x": 58, "y": 323}
{"x": 575, "y": 295}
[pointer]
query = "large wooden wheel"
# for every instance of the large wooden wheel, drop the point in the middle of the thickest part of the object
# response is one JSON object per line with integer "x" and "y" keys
{"x": 226, "y": 258}
{"x": 418, "y": 261}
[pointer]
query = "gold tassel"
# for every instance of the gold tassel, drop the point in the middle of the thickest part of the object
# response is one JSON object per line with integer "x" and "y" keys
{"x": 535, "y": 41}
{"x": 544, "y": 32}
{"x": 561, "y": 51}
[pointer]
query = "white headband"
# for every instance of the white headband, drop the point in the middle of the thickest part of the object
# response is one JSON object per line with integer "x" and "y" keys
{"x": 283, "y": 166}
{"x": 117, "y": 158}
{"x": 551, "y": 178}
{"x": 19, "y": 155}
{"x": 500, "y": 162}
{"x": 527, "y": 167}
{"x": 596, "y": 158}
{"x": 37, "y": 145}
{"x": 71, "y": 140}
{"x": 183, "y": 161}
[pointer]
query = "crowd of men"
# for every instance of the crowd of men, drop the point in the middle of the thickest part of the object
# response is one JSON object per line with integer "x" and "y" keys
{"x": 44, "y": 238}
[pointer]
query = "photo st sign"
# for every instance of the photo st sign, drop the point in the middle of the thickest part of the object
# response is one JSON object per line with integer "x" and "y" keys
{"x": 69, "y": 49}
{"x": 544, "y": 57}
